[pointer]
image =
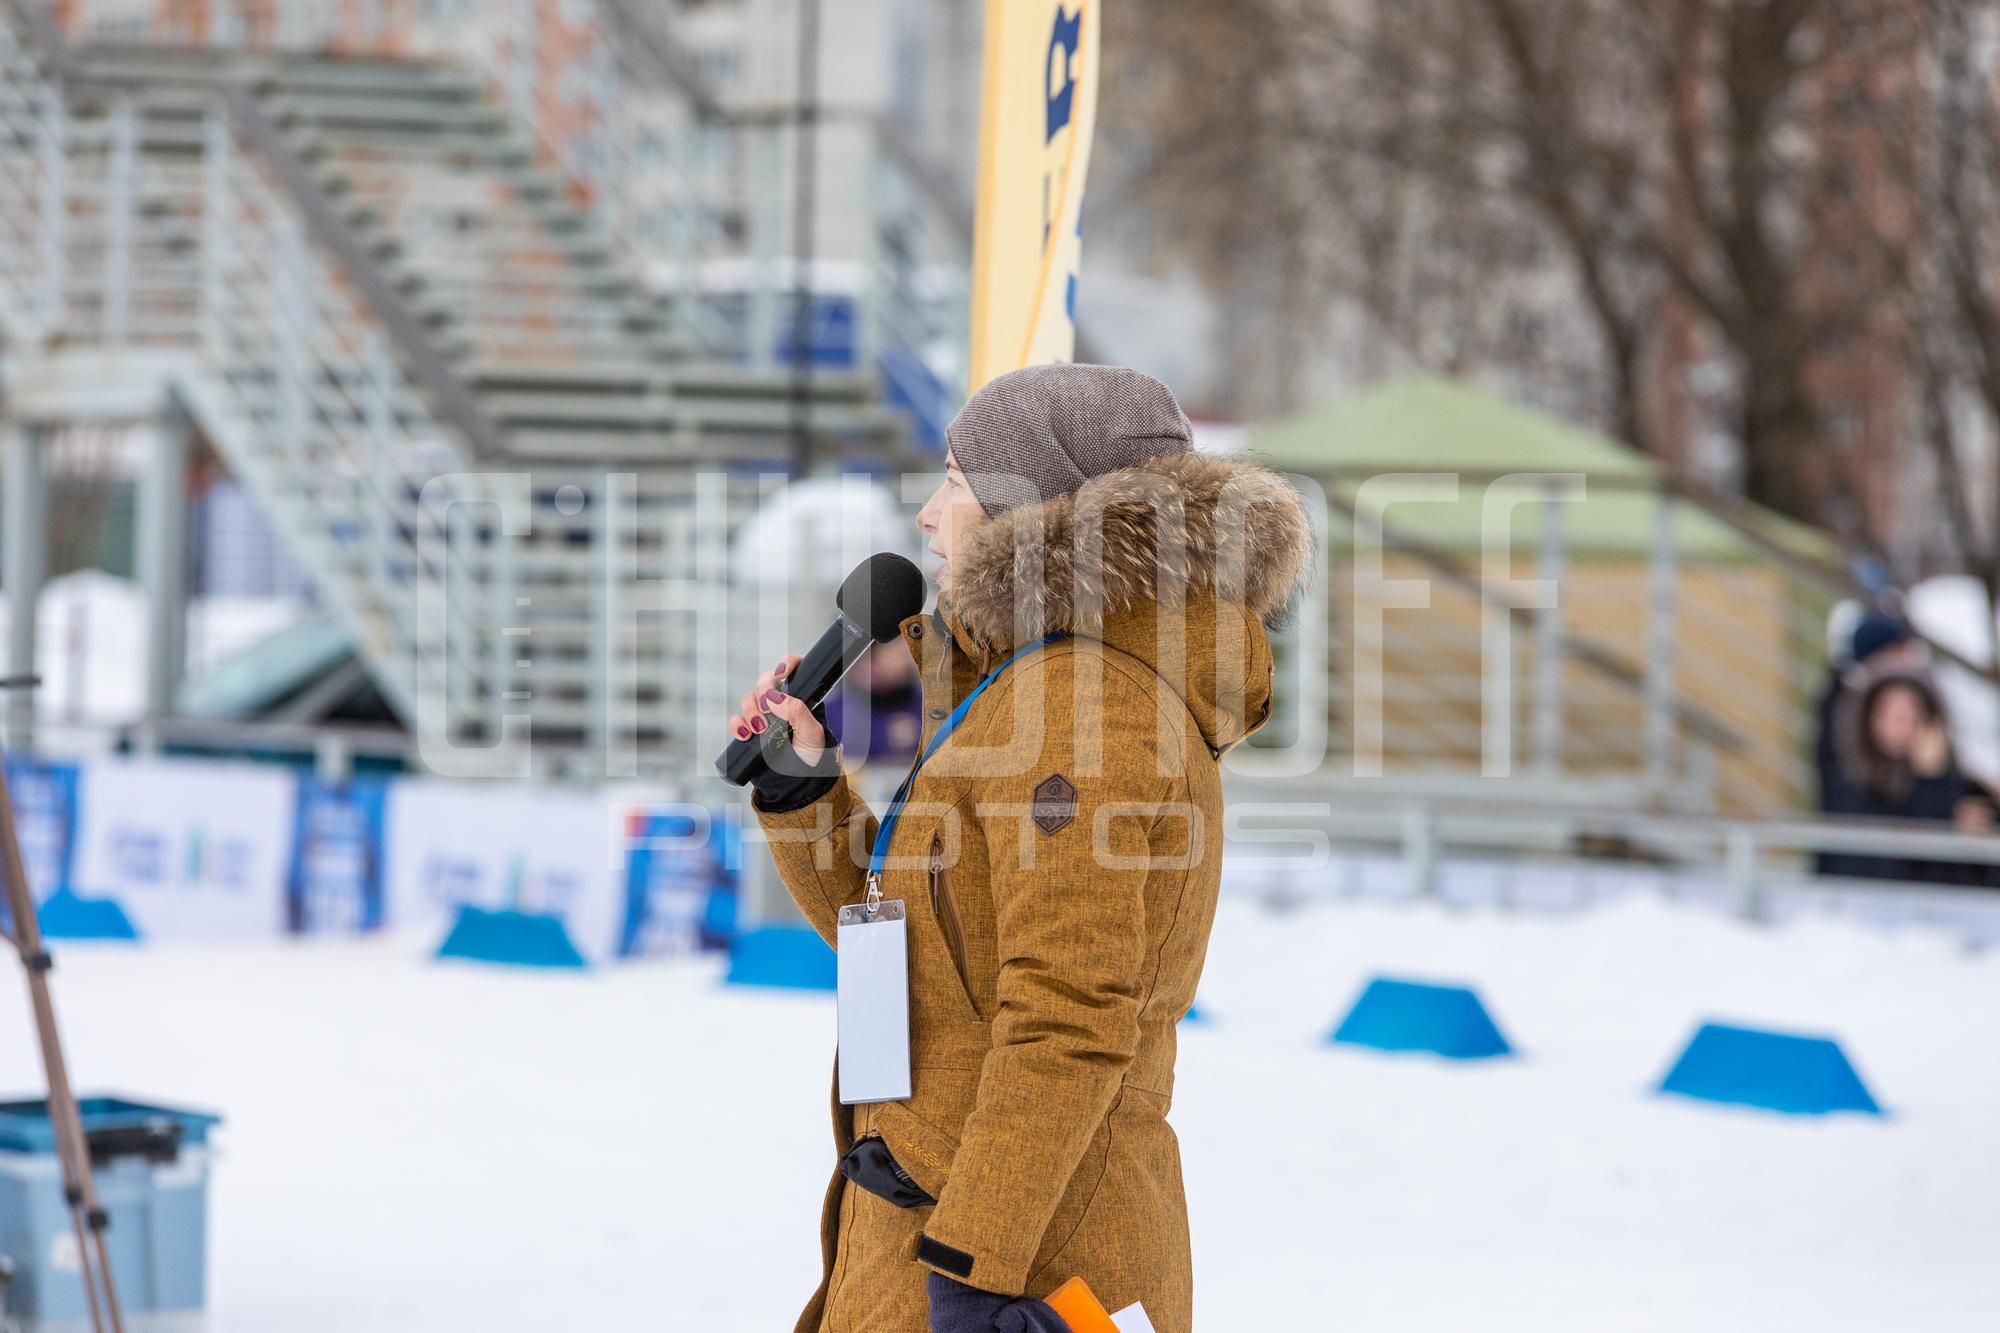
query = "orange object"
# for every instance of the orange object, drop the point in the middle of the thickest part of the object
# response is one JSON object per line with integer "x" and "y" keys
{"x": 1080, "y": 1308}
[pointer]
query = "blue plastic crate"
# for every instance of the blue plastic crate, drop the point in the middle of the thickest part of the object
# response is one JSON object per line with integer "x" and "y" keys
{"x": 151, "y": 1174}
{"x": 25, "y": 1126}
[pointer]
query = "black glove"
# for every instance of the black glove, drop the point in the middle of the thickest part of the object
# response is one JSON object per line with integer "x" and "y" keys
{"x": 957, "y": 1308}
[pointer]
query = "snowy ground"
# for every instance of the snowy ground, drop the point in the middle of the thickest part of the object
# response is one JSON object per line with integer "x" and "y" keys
{"x": 415, "y": 1147}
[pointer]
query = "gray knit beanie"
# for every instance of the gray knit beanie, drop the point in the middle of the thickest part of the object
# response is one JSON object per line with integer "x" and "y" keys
{"x": 1034, "y": 434}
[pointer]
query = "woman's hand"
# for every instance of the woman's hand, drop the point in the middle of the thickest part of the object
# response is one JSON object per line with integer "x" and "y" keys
{"x": 1974, "y": 814}
{"x": 1930, "y": 751}
{"x": 766, "y": 705}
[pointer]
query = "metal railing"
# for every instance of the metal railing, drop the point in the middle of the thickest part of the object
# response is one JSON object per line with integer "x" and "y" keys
{"x": 27, "y": 166}
{"x": 1679, "y": 661}
{"x": 312, "y": 26}
{"x": 1292, "y": 835}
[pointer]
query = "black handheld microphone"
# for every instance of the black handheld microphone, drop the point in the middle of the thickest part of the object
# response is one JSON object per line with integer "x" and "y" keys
{"x": 883, "y": 591}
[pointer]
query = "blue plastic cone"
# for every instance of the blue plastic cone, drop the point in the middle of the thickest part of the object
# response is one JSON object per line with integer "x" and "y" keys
{"x": 64, "y": 915}
{"x": 1773, "y": 1071}
{"x": 510, "y": 938}
{"x": 786, "y": 957}
{"x": 1415, "y": 1016}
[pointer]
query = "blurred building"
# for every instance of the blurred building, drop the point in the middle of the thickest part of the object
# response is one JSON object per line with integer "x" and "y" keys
{"x": 500, "y": 316}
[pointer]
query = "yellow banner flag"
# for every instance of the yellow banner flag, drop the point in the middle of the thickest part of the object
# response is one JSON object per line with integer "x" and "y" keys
{"x": 1038, "y": 115}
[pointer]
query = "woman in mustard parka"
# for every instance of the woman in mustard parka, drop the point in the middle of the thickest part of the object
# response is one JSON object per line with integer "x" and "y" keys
{"x": 1059, "y": 856}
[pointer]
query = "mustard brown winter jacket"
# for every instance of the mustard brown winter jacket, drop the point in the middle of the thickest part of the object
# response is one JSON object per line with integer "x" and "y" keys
{"x": 1059, "y": 858}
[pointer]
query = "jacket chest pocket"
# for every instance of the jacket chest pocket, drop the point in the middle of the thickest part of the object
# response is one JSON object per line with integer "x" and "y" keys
{"x": 950, "y": 921}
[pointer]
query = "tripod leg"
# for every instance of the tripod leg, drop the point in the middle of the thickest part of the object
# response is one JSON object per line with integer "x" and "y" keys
{"x": 98, "y": 1225}
{"x": 72, "y": 1148}
{"x": 84, "y": 1263}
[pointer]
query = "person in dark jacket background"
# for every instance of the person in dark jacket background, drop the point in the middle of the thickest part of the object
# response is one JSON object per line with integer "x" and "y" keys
{"x": 1894, "y": 760}
{"x": 877, "y": 714}
{"x": 1878, "y": 641}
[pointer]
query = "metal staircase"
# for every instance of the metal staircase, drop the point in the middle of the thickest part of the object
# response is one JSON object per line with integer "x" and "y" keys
{"x": 501, "y": 457}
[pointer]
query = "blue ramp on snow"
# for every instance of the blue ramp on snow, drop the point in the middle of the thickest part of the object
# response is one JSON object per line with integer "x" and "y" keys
{"x": 64, "y": 915}
{"x": 514, "y": 939}
{"x": 788, "y": 957}
{"x": 1774, "y": 1071}
{"x": 1396, "y": 1015}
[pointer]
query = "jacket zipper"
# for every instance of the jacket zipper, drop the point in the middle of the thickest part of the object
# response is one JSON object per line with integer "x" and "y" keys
{"x": 945, "y": 908}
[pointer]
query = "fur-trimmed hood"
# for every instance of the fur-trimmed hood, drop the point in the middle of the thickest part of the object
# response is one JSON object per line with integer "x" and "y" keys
{"x": 1185, "y": 537}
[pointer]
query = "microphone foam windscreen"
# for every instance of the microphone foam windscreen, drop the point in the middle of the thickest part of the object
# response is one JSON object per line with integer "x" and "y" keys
{"x": 883, "y": 591}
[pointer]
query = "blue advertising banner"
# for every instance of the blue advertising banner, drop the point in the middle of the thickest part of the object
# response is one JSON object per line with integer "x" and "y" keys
{"x": 335, "y": 879}
{"x": 680, "y": 881}
{"x": 45, "y": 818}
{"x": 184, "y": 849}
{"x": 541, "y": 852}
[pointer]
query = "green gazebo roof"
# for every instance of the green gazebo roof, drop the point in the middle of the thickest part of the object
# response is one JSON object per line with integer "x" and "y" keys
{"x": 1437, "y": 426}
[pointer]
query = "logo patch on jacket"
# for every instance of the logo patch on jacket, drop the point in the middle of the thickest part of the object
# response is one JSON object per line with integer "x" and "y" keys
{"x": 1055, "y": 803}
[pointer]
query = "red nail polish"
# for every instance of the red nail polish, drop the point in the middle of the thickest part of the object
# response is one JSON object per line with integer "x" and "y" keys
{"x": 743, "y": 733}
{"x": 757, "y": 724}
{"x": 778, "y": 670}
{"x": 774, "y": 696}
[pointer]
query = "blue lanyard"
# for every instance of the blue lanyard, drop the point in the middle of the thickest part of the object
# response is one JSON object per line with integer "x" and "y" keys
{"x": 887, "y": 829}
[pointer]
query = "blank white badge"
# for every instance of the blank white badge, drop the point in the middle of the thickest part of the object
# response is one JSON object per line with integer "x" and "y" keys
{"x": 873, "y": 965}
{"x": 1132, "y": 1319}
